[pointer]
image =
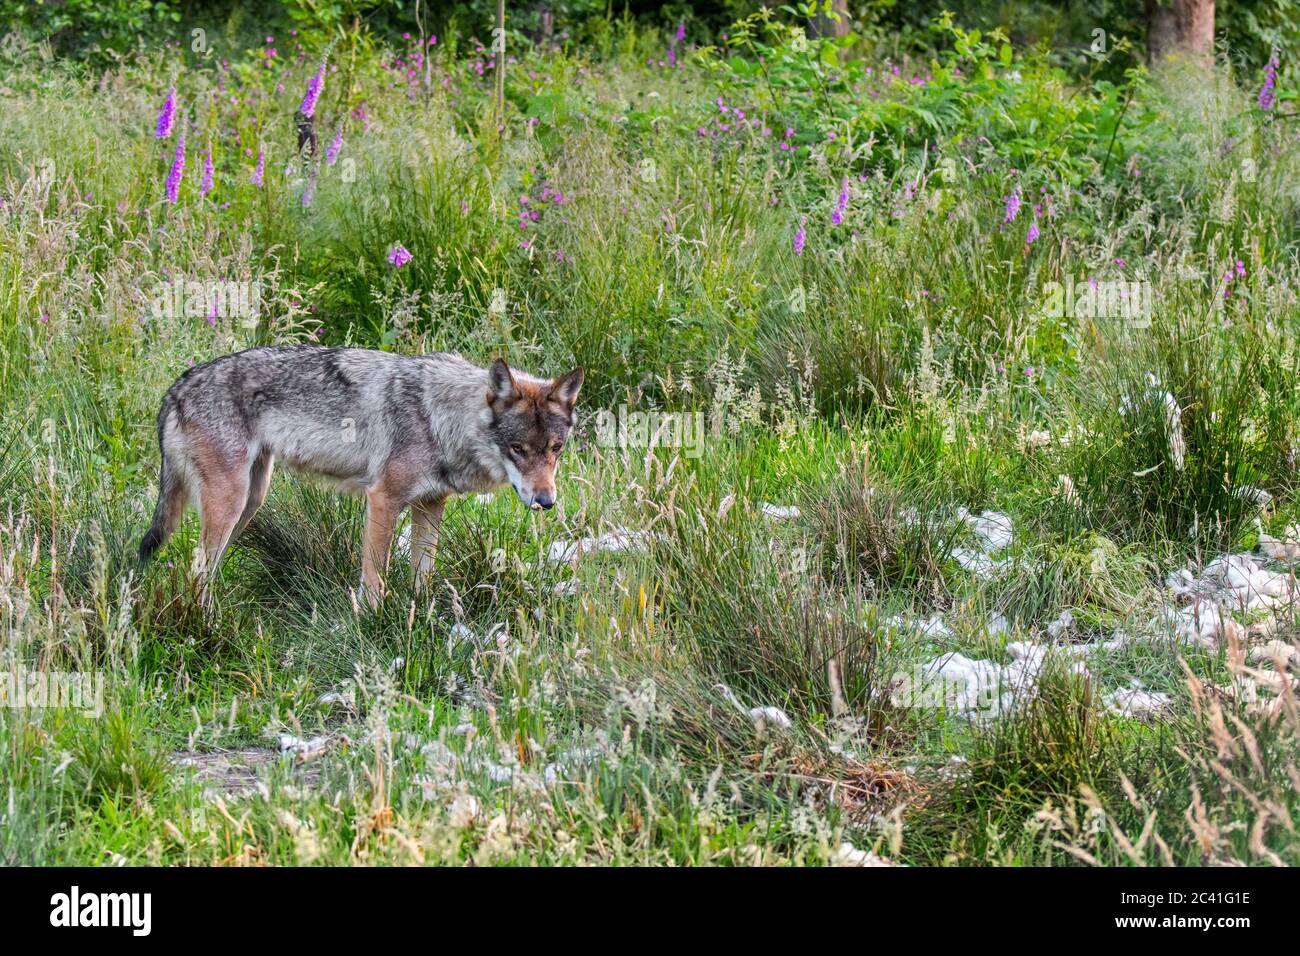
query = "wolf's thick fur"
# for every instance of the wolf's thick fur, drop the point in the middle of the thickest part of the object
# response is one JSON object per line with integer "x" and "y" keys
{"x": 406, "y": 431}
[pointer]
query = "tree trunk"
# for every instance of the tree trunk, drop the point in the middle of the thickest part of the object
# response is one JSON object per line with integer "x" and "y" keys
{"x": 1196, "y": 26}
{"x": 544, "y": 31}
{"x": 1180, "y": 26}
{"x": 824, "y": 26}
{"x": 1162, "y": 31}
{"x": 499, "y": 56}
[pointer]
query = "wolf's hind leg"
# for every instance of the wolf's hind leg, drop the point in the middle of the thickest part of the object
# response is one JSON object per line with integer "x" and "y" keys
{"x": 426, "y": 517}
{"x": 381, "y": 519}
{"x": 259, "y": 482}
{"x": 221, "y": 504}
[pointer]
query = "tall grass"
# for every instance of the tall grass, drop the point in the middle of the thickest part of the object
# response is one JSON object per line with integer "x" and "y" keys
{"x": 858, "y": 390}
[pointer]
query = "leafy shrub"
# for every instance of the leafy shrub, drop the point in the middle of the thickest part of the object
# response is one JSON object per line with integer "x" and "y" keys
{"x": 89, "y": 28}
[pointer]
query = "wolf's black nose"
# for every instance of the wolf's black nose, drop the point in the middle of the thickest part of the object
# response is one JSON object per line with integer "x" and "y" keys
{"x": 544, "y": 501}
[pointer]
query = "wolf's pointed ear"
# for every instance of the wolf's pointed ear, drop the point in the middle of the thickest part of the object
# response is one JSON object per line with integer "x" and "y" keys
{"x": 501, "y": 384}
{"x": 565, "y": 390}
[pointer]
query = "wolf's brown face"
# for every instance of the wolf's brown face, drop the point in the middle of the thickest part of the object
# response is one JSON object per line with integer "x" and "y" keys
{"x": 530, "y": 422}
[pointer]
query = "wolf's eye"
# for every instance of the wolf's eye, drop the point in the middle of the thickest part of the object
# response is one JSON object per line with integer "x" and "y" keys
{"x": 517, "y": 449}
{"x": 556, "y": 448}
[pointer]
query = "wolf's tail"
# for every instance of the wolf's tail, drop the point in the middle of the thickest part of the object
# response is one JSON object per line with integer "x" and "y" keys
{"x": 170, "y": 509}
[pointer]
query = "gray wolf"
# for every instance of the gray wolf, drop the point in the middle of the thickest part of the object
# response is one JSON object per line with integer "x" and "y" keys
{"x": 405, "y": 431}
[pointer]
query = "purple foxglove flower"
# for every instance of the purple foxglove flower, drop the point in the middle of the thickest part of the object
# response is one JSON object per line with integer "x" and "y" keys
{"x": 314, "y": 86}
{"x": 260, "y": 170}
{"x": 1267, "y": 96}
{"x": 205, "y": 186}
{"x": 1012, "y": 207}
{"x": 841, "y": 204}
{"x": 335, "y": 147}
{"x": 800, "y": 237}
{"x": 1032, "y": 234}
{"x": 177, "y": 172}
{"x": 398, "y": 256}
{"x": 166, "y": 116}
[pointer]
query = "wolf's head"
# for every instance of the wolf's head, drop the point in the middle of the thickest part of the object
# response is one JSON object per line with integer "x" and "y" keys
{"x": 531, "y": 419}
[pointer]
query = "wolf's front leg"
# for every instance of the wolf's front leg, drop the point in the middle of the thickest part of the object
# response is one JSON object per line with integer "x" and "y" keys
{"x": 426, "y": 517}
{"x": 381, "y": 518}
